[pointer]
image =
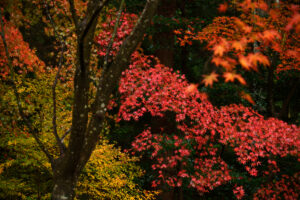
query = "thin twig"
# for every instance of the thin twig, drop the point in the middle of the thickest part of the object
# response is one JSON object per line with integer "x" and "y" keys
{"x": 73, "y": 12}
{"x": 61, "y": 146}
{"x": 113, "y": 36}
{"x": 66, "y": 133}
{"x": 32, "y": 130}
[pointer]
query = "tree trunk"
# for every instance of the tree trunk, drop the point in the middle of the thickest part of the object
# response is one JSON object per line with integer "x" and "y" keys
{"x": 64, "y": 179}
{"x": 64, "y": 188}
{"x": 284, "y": 112}
{"x": 270, "y": 92}
{"x": 164, "y": 39}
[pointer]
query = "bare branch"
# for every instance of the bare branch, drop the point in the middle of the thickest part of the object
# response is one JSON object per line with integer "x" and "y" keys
{"x": 32, "y": 130}
{"x": 61, "y": 146}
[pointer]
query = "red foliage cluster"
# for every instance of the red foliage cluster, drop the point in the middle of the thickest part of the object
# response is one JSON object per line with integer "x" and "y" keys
{"x": 255, "y": 139}
{"x": 190, "y": 153}
{"x": 23, "y": 57}
{"x": 286, "y": 188}
{"x": 127, "y": 22}
{"x": 200, "y": 127}
{"x": 239, "y": 192}
{"x": 156, "y": 90}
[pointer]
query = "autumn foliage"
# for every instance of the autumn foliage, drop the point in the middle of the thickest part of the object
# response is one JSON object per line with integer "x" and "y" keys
{"x": 250, "y": 40}
{"x": 193, "y": 146}
{"x": 24, "y": 58}
{"x": 189, "y": 136}
{"x": 190, "y": 142}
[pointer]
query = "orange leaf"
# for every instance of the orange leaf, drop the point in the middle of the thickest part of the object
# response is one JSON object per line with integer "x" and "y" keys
{"x": 258, "y": 57}
{"x": 244, "y": 62}
{"x": 229, "y": 77}
{"x": 219, "y": 50}
{"x": 240, "y": 79}
{"x": 225, "y": 63}
{"x": 238, "y": 46}
{"x": 223, "y": 7}
{"x": 209, "y": 79}
{"x": 247, "y": 29}
{"x": 293, "y": 21}
{"x": 217, "y": 61}
{"x": 262, "y": 5}
{"x": 242, "y": 25}
{"x": 292, "y": 53}
{"x": 270, "y": 35}
{"x": 247, "y": 97}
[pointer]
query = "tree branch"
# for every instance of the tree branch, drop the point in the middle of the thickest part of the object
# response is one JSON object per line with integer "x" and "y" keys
{"x": 73, "y": 12}
{"x": 32, "y": 130}
{"x": 61, "y": 146}
{"x": 113, "y": 36}
{"x": 66, "y": 133}
{"x": 93, "y": 9}
{"x": 85, "y": 36}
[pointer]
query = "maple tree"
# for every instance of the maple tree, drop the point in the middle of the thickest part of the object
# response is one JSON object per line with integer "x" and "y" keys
{"x": 199, "y": 128}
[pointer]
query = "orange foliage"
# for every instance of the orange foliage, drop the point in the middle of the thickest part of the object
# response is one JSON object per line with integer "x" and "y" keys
{"x": 230, "y": 77}
{"x": 246, "y": 40}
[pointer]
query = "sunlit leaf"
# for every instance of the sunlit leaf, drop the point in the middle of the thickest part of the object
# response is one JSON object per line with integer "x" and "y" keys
{"x": 210, "y": 79}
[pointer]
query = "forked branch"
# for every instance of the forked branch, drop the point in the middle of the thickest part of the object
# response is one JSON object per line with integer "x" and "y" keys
{"x": 61, "y": 145}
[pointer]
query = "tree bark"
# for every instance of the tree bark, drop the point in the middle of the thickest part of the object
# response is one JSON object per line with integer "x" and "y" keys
{"x": 284, "y": 112}
{"x": 164, "y": 42}
{"x": 164, "y": 39}
{"x": 63, "y": 189}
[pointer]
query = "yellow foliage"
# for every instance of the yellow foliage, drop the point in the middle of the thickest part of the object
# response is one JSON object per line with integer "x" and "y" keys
{"x": 25, "y": 172}
{"x": 111, "y": 174}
